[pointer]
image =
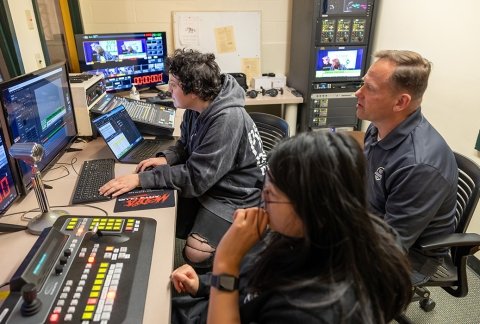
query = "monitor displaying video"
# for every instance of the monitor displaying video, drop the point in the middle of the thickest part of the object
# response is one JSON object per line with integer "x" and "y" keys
{"x": 124, "y": 59}
{"x": 345, "y": 63}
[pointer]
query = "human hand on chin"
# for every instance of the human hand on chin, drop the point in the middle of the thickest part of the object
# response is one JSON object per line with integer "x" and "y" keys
{"x": 247, "y": 229}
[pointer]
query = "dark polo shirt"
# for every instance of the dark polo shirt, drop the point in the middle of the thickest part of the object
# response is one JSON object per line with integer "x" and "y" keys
{"x": 412, "y": 180}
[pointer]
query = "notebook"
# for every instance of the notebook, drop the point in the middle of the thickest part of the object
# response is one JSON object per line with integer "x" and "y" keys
{"x": 124, "y": 139}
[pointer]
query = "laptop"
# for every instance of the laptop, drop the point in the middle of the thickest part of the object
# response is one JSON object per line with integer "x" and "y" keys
{"x": 124, "y": 139}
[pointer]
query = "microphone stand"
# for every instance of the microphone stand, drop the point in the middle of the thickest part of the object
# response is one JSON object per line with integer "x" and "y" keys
{"x": 47, "y": 216}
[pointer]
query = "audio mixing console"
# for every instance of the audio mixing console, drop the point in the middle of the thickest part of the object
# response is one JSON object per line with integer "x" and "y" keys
{"x": 84, "y": 270}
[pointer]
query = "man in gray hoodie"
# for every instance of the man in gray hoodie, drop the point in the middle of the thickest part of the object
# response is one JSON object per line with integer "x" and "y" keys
{"x": 218, "y": 163}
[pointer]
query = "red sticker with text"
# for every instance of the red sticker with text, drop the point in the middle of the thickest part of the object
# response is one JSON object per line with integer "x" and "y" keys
{"x": 144, "y": 199}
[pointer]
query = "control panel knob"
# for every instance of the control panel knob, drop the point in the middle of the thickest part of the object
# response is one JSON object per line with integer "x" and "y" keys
{"x": 31, "y": 304}
{"x": 67, "y": 253}
{"x": 63, "y": 260}
{"x": 58, "y": 269}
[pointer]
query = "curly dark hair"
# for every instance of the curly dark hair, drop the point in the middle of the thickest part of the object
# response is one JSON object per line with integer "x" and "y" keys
{"x": 197, "y": 72}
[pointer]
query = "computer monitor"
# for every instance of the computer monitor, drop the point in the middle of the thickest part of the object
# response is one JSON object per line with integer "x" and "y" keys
{"x": 124, "y": 58}
{"x": 340, "y": 63}
{"x": 8, "y": 190}
{"x": 37, "y": 107}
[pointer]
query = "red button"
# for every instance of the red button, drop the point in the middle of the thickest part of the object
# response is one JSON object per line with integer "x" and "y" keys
{"x": 54, "y": 318}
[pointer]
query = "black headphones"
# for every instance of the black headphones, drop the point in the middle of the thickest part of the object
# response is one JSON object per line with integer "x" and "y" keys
{"x": 272, "y": 92}
{"x": 252, "y": 93}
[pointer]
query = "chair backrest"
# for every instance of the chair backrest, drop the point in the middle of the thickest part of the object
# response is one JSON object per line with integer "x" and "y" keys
{"x": 468, "y": 191}
{"x": 272, "y": 129}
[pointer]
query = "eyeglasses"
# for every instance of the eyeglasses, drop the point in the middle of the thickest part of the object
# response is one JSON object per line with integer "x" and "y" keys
{"x": 263, "y": 203}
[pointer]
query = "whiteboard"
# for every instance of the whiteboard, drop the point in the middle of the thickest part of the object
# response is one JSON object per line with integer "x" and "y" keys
{"x": 233, "y": 36}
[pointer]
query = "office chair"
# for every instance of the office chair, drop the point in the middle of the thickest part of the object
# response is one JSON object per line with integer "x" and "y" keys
{"x": 453, "y": 278}
{"x": 272, "y": 129}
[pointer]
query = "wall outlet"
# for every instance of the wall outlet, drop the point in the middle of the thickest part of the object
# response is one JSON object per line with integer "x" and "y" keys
{"x": 40, "y": 61}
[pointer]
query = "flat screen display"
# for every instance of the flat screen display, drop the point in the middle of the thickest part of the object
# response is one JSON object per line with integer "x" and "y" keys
{"x": 37, "y": 107}
{"x": 345, "y": 63}
{"x": 344, "y": 6}
{"x": 8, "y": 190}
{"x": 124, "y": 58}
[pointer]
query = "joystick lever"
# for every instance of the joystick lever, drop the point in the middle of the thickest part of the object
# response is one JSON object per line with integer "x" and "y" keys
{"x": 31, "y": 304}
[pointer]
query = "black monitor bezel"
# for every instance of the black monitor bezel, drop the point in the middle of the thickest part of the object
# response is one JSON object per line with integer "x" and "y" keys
{"x": 340, "y": 78}
{"x": 84, "y": 67}
{"x": 14, "y": 172}
{"x": 25, "y": 188}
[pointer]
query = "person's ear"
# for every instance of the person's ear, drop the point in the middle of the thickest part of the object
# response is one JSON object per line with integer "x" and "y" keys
{"x": 403, "y": 102}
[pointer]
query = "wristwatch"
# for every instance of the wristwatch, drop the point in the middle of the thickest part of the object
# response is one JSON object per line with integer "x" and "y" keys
{"x": 224, "y": 282}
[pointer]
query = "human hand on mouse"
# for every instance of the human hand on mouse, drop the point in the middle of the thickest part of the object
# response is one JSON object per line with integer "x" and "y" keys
{"x": 149, "y": 164}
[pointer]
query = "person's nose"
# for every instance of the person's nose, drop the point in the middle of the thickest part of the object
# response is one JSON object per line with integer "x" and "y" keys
{"x": 358, "y": 93}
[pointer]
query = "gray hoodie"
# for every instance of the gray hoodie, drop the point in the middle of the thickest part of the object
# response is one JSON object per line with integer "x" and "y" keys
{"x": 219, "y": 157}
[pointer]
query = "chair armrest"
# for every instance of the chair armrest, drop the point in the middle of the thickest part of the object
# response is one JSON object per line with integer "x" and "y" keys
{"x": 450, "y": 240}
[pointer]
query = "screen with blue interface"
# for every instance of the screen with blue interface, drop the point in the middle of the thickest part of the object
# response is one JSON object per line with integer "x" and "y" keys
{"x": 124, "y": 58}
{"x": 37, "y": 107}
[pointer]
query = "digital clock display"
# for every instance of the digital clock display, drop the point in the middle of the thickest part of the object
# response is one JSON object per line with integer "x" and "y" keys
{"x": 148, "y": 79}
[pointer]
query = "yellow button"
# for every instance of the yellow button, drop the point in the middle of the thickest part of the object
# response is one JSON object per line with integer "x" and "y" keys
{"x": 104, "y": 265}
{"x": 102, "y": 270}
{"x": 94, "y": 294}
{"x": 101, "y": 276}
{"x": 87, "y": 316}
{"x": 98, "y": 282}
{"x": 89, "y": 308}
{"x": 96, "y": 288}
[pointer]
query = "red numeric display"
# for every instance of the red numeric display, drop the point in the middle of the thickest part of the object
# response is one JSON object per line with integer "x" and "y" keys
{"x": 153, "y": 78}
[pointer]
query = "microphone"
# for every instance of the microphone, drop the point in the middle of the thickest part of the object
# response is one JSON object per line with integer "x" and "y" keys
{"x": 32, "y": 153}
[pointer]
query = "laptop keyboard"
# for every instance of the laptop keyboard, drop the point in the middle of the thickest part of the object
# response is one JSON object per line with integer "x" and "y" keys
{"x": 145, "y": 151}
{"x": 93, "y": 175}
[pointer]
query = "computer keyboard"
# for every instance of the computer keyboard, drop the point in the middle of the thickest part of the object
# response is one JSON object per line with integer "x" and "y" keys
{"x": 93, "y": 175}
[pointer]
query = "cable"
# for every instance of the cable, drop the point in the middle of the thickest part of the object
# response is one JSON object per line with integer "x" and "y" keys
{"x": 61, "y": 166}
{"x": 25, "y": 218}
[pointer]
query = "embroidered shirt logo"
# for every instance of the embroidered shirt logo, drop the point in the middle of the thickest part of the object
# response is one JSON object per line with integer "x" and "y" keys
{"x": 379, "y": 173}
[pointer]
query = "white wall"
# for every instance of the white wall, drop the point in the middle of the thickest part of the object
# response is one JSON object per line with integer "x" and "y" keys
{"x": 106, "y": 16}
{"x": 26, "y": 32}
{"x": 446, "y": 34}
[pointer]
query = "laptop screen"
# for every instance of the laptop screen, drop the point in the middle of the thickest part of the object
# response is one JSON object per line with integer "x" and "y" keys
{"x": 118, "y": 130}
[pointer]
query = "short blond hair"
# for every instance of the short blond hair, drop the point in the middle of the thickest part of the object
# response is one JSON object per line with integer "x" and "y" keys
{"x": 411, "y": 72}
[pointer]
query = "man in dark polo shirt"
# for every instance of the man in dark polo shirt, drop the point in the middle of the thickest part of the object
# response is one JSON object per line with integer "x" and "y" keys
{"x": 412, "y": 173}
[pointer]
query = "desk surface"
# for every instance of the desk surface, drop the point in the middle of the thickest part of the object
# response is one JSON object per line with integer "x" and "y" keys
{"x": 15, "y": 246}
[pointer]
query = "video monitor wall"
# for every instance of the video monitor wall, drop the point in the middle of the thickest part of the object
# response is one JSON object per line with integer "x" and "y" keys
{"x": 37, "y": 107}
{"x": 124, "y": 58}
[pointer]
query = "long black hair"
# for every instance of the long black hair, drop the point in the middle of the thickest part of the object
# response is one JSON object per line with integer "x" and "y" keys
{"x": 197, "y": 72}
{"x": 323, "y": 175}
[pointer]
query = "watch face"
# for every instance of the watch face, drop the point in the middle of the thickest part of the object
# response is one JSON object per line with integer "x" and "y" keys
{"x": 227, "y": 282}
{"x": 224, "y": 282}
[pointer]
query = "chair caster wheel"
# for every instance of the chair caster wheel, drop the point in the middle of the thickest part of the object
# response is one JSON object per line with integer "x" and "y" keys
{"x": 427, "y": 305}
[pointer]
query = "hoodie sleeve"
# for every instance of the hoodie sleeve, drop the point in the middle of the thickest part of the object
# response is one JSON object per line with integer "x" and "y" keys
{"x": 176, "y": 154}
{"x": 211, "y": 160}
